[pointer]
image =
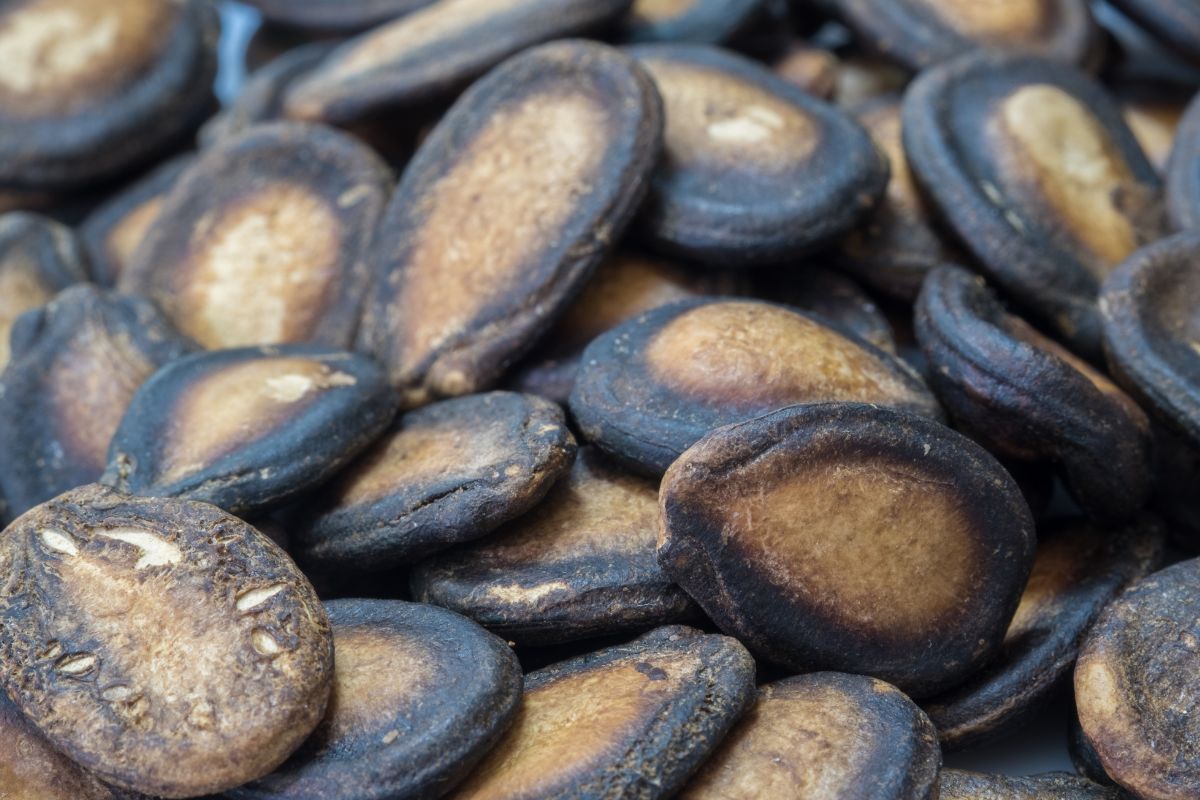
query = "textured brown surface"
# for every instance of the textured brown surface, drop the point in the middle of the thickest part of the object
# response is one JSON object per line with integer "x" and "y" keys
{"x": 960, "y": 785}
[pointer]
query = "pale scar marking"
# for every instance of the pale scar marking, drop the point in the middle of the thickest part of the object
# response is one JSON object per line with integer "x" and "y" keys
{"x": 156, "y": 551}
{"x": 59, "y": 542}
{"x": 253, "y": 598}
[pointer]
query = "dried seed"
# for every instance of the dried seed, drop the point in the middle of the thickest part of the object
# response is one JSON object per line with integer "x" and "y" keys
{"x": 813, "y": 69}
{"x": 850, "y": 537}
{"x": 1175, "y": 23}
{"x": 444, "y": 474}
{"x": 504, "y": 212}
{"x": 1183, "y": 171}
{"x": 1136, "y": 685}
{"x": 419, "y": 695}
{"x": 335, "y": 16}
{"x": 262, "y": 241}
{"x": 739, "y": 142}
{"x": 248, "y": 429}
{"x": 832, "y": 297}
{"x": 700, "y": 21}
{"x": 1034, "y": 168}
{"x": 1083, "y": 756}
{"x": 960, "y": 785}
{"x": 580, "y": 564}
{"x": 632, "y": 721}
{"x": 1024, "y": 396}
{"x": 163, "y": 685}
{"x": 650, "y": 388}
{"x": 76, "y": 364}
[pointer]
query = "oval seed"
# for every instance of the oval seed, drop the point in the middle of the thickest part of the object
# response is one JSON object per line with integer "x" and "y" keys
{"x": 76, "y": 364}
{"x": 1137, "y": 683}
{"x": 433, "y": 53}
{"x": 1175, "y": 23}
{"x": 1076, "y": 572}
{"x": 850, "y": 537}
{"x": 650, "y": 388}
{"x": 248, "y": 429}
{"x": 419, "y": 696}
{"x": 1183, "y": 170}
{"x": 335, "y": 16}
{"x": 824, "y": 735}
{"x": 504, "y": 212}
{"x": 90, "y": 89}
{"x": 1035, "y": 170}
{"x": 123, "y": 641}
{"x": 754, "y": 169}
{"x": 700, "y": 21}
{"x": 631, "y": 721}
{"x": 957, "y": 784}
{"x": 1024, "y": 396}
{"x": 580, "y": 564}
{"x": 262, "y": 241}
{"x": 444, "y": 474}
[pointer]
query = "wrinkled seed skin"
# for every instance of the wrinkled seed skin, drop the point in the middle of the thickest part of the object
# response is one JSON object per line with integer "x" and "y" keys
{"x": 962, "y": 785}
{"x": 824, "y": 537}
{"x": 696, "y": 21}
{"x": 1183, "y": 171}
{"x": 1175, "y": 23}
{"x": 420, "y": 695}
{"x": 335, "y": 16}
{"x": 825, "y": 735}
{"x": 165, "y": 645}
{"x": 631, "y": 721}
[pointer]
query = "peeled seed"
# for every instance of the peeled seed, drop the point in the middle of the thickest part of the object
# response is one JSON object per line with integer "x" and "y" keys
{"x": 961, "y": 785}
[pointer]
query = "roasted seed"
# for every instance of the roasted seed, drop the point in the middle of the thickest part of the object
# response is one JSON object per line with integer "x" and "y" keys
{"x": 700, "y": 21}
{"x": 830, "y": 296}
{"x": 335, "y": 16}
{"x": 960, "y": 785}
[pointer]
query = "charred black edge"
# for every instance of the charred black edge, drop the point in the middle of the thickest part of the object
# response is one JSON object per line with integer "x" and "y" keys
{"x": 1183, "y": 170}
{"x": 1174, "y": 23}
{"x": 704, "y": 22}
{"x": 58, "y": 253}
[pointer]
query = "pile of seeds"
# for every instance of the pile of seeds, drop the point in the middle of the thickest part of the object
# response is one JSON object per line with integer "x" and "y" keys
{"x": 720, "y": 399}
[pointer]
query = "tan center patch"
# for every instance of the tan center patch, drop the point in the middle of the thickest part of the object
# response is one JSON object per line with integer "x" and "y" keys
{"x": 376, "y": 677}
{"x": 992, "y": 21}
{"x": 660, "y": 10}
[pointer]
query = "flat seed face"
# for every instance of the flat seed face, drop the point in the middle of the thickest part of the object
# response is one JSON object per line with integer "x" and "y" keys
{"x": 580, "y": 564}
{"x": 444, "y": 474}
{"x": 1135, "y": 685}
{"x": 961, "y": 785}
{"x": 541, "y": 163}
{"x": 648, "y": 389}
{"x": 739, "y": 140}
{"x": 419, "y": 694}
{"x": 629, "y": 721}
{"x": 841, "y": 535}
{"x": 75, "y": 366}
{"x": 247, "y": 429}
{"x": 820, "y": 735}
{"x": 150, "y": 639}
{"x": 262, "y": 241}
{"x": 1035, "y": 170}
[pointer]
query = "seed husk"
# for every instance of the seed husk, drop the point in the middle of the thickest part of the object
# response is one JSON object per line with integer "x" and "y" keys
{"x": 1136, "y": 685}
{"x": 92, "y": 89}
{"x": 1024, "y": 396}
{"x": 248, "y": 429}
{"x": 419, "y": 696}
{"x": 1183, "y": 171}
{"x": 75, "y": 366}
{"x": 334, "y": 16}
{"x": 444, "y": 474}
{"x": 631, "y": 721}
{"x": 165, "y": 645}
{"x": 823, "y": 735}
{"x": 1174, "y": 23}
{"x": 474, "y": 262}
{"x": 1033, "y": 167}
{"x": 957, "y": 784}
{"x": 651, "y": 387}
{"x": 262, "y": 241}
{"x": 850, "y": 537}
{"x": 699, "y": 21}
{"x": 581, "y": 564}
{"x": 1076, "y": 572}
{"x": 739, "y": 141}
{"x": 433, "y": 53}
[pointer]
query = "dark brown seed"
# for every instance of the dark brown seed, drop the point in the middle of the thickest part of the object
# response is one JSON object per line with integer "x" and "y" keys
{"x": 1154, "y": 112}
{"x": 165, "y": 645}
{"x": 1175, "y": 23}
{"x": 830, "y": 296}
{"x": 445, "y": 474}
{"x": 38, "y": 258}
{"x": 920, "y": 33}
{"x": 504, "y": 212}
{"x": 263, "y": 240}
{"x": 850, "y": 537}
{"x": 960, "y": 785}
{"x": 580, "y": 564}
{"x": 1183, "y": 170}
{"x": 335, "y": 16}
{"x": 1176, "y": 476}
{"x": 825, "y": 735}
{"x": 632, "y": 721}
{"x": 249, "y": 429}
{"x": 1024, "y": 396}
{"x": 699, "y": 21}
{"x": 1137, "y": 685}
{"x": 1076, "y": 572}
{"x": 755, "y": 169}
{"x": 90, "y": 89}
{"x": 75, "y": 366}
{"x": 435, "y": 52}
{"x": 1032, "y": 165}
{"x": 650, "y": 388}
{"x": 1151, "y": 325}
{"x": 419, "y": 695}
{"x": 113, "y": 232}
{"x": 813, "y": 69}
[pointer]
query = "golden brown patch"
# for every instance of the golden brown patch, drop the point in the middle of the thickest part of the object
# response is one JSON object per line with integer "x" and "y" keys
{"x": 1154, "y": 126}
{"x": 261, "y": 269}
{"x": 659, "y": 10}
{"x": 1061, "y": 562}
{"x": 885, "y": 128}
{"x": 375, "y": 676}
{"x": 995, "y": 22}
{"x": 125, "y": 237}
{"x": 32, "y": 770}
{"x": 20, "y": 290}
{"x": 755, "y": 354}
